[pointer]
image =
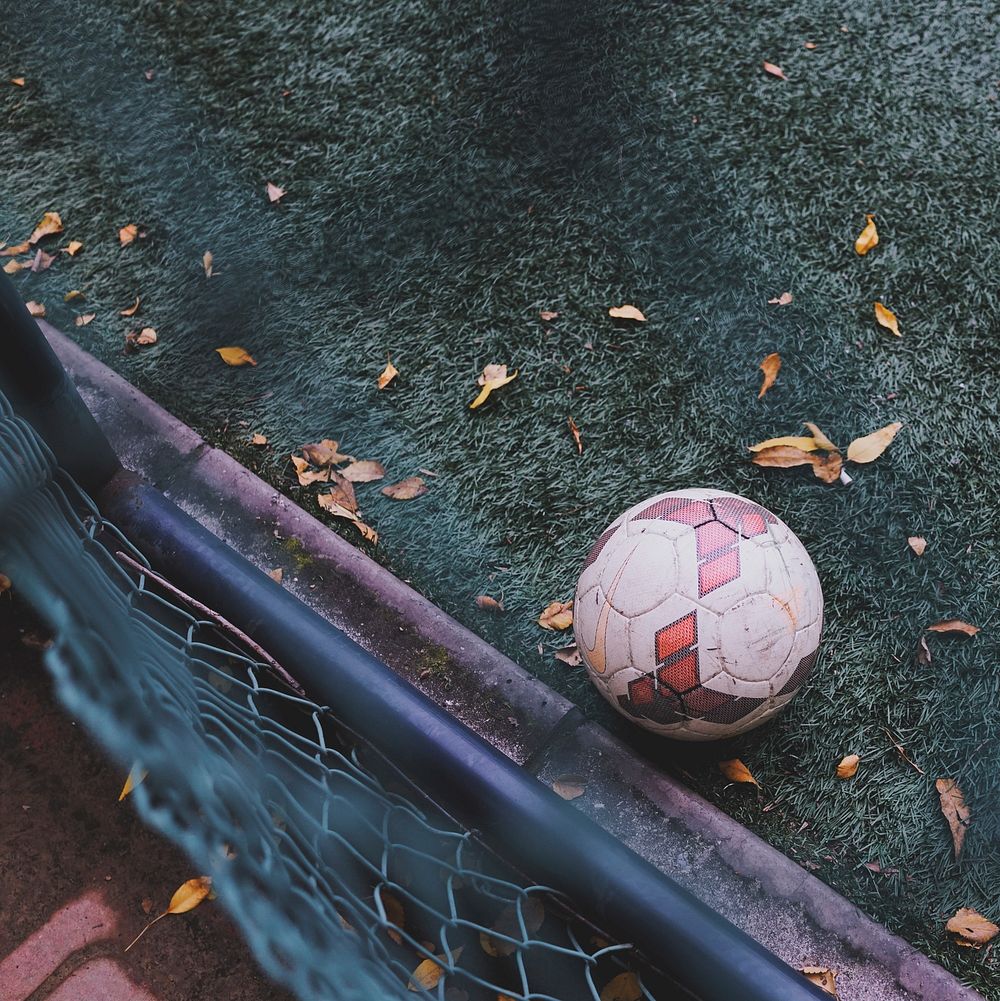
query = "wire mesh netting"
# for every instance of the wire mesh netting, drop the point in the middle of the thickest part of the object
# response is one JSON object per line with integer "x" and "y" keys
{"x": 346, "y": 881}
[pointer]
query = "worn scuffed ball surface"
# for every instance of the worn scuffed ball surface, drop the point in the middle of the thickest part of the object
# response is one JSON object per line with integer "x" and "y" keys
{"x": 698, "y": 614}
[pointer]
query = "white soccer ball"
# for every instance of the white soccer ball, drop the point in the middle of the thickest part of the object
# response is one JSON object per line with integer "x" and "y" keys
{"x": 698, "y": 614}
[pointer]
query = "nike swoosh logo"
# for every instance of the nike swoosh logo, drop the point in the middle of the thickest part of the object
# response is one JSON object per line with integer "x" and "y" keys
{"x": 597, "y": 655}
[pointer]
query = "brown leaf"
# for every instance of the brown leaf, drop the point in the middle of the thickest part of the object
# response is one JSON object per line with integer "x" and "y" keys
{"x": 395, "y": 914}
{"x": 367, "y": 531}
{"x": 848, "y": 766}
{"x": 325, "y": 453}
{"x": 822, "y": 976}
{"x": 774, "y": 70}
{"x": 923, "y": 652}
{"x": 548, "y": 314}
{"x": 276, "y": 574}
{"x": 388, "y": 374}
{"x": 274, "y": 193}
{"x": 971, "y": 928}
{"x": 784, "y": 299}
{"x": 306, "y": 475}
{"x": 364, "y": 471}
{"x": 569, "y": 655}
{"x": 20, "y": 248}
{"x": 626, "y": 312}
{"x": 342, "y": 492}
{"x": 954, "y": 626}
{"x": 800, "y": 442}
{"x": 489, "y": 604}
{"x": 127, "y": 234}
{"x": 41, "y": 260}
{"x": 810, "y": 45}
{"x": 5, "y": 584}
{"x": 736, "y": 771}
{"x": 826, "y": 466}
{"x": 146, "y": 904}
{"x": 575, "y": 432}
{"x": 426, "y": 976}
{"x": 886, "y": 318}
{"x": 146, "y": 336}
{"x": 770, "y": 366}
{"x": 623, "y": 987}
{"x": 235, "y": 356}
{"x": 49, "y": 223}
{"x": 917, "y": 544}
{"x": 73, "y": 293}
{"x": 258, "y": 439}
{"x": 570, "y": 786}
{"x": 12, "y": 267}
{"x": 871, "y": 446}
{"x": 493, "y": 377}
{"x": 955, "y": 811}
{"x": 35, "y": 308}
{"x": 821, "y": 439}
{"x": 84, "y": 319}
{"x": 557, "y": 615}
{"x": 130, "y": 310}
{"x": 412, "y": 486}
{"x": 74, "y": 247}
{"x": 17, "y": 81}
{"x": 509, "y": 924}
{"x": 867, "y": 238}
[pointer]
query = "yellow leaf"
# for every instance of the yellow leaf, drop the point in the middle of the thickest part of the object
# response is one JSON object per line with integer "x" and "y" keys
{"x": 624, "y": 987}
{"x": 736, "y": 771}
{"x": 887, "y": 318}
{"x": 74, "y": 247}
{"x": 821, "y": 439}
{"x": 867, "y": 238}
{"x": 412, "y": 486}
{"x": 626, "y": 312}
{"x": 822, "y": 977}
{"x": 774, "y": 70}
{"x": 569, "y": 786}
{"x": 364, "y": 471}
{"x": 493, "y": 377}
{"x": 388, "y": 374}
{"x": 306, "y": 475}
{"x": 12, "y": 267}
{"x": 917, "y": 544}
{"x": 575, "y": 432}
{"x": 848, "y": 767}
{"x": 770, "y": 366}
{"x": 972, "y": 929}
{"x": 784, "y": 299}
{"x": 871, "y": 446}
{"x": 73, "y": 294}
{"x": 84, "y": 318}
{"x": 487, "y": 603}
{"x": 955, "y": 811}
{"x": 274, "y": 193}
{"x": 35, "y": 308}
{"x": 127, "y": 234}
{"x": 49, "y": 223}
{"x": 509, "y": 924}
{"x": 206, "y": 263}
{"x": 557, "y": 615}
{"x": 134, "y": 777}
{"x": 17, "y": 81}
{"x": 235, "y": 356}
{"x": 130, "y": 310}
{"x": 21, "y": 248}
{"x": 258, "y": 439}
{"x": 426, "y": 976}
{"x": 802, "y": 443}
{"x": 954, "y": 626}
{"x": 189, "y": 895}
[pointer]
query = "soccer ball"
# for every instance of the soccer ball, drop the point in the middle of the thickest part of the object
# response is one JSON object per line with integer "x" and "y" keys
{"x": 698, "y": 614}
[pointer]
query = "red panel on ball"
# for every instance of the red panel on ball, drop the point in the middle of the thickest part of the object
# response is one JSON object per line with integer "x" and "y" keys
{"x": 718, "y": 571}
{"x": 713, "y": 536}
{"x": 678, "y": 636}
{"x": 679, "y": 675}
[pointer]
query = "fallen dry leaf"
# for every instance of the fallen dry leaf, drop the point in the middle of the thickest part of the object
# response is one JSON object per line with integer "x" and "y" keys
{"x": 917, "y": 544}
{"x": 810, "y": 45}
{"x": 412, "y": 486}
{"x": 822, "y": 976}
{"x": 41, "y": 261}
{"x": 274, "y": 193}
{"x": 575, "y": 432}
{"x": 626, "y": 312}
{"x": 17, "y": 81}
{"x": 557, "y": 615}
{"x": 130, "y": 310}
{"x": 736, "y": 771}
{"x": 12, "y": 267}
{"x": 258, "y": 439}
{"x": 325, "y": 453}
{"x": 886, "y": 318}
{"x": 364, "y": 471}
{"x": 548, "y": 314}
{"x": 509, "y": 923}
{"x": 306, "y": 475}
{"x": 367, "y": 531}
{"x": 5, "y": 584}
{"x": 49, "y": 223}
{"x": 770, "y": 366}
{"x": 954, "y": 626}
{"x": 826, "y": 467}
{"x": 74, "y": 247}
{"x": 127, "y": 234}
{"x": 20, "y": 248}
{"x": 186, "y": 898}
{"x": 955, "y": 811}
{"x": 848, "y": 766}
{"x": 388, "y": 374}
{"x": 623, "y": 987}
{"x": 330, "y": 504}
{"x": 146, "y": 336}
{"x": 206, "y": 263}
{"x": 570, "y": 786}
{"x": 394, "y": 913}
{"x": 73, "y": 293}
{"x": 923, "y": 652}
{"x": 426, "y": 976}
{"x": 493, "y": 377}
{"x": 235, "y": 356}
{"x": 342, "y": 492}
{"x": 570, "y": 655}
{"x": 784, "y": 299}
{"x": 821, "y": 439}
{"x": 35, "y": 308}
{"x": 867, "y": 238}
{"x": 800, "y": 442}
{"x": 489, "y": 604}
{"x": 276, "y": 574}
{"x": 971, "y": 928}
{"x": 774, "y": 70}
{"x": 871, "y": 446}
{"x": 84, "y": 319}
{"x": 134, "y": 777}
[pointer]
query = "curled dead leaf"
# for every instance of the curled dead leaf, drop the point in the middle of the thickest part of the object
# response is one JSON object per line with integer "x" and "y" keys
{"x": 570, "y": 655}
{"x": 367, "y": 532}
{"x": 825, "y": 466}
{"x": 325, "y": 453}
{"x": 548, "y": 314}
{"x": 489, "y": 604}
{"x": 848, "y": 766}
{"x": 131, "y": 310}
{"x": 886, "y": 318}
{"x": 954, "y": 626}
{"x": 388, "y": 374}
{"x": 73, "y": 293}
{"x": 20, "y": 248}
{"x": 74, "y": 247}
{"x": 923, "y": 652}
{"x": 127, "y": 234}
{"x": 623, "y": 987}
{"x": 364, "y": 471}
{"x": 235, "y": 356}
{"x": 770, "y": 366}
{"x": 626, "y": 312}
{"x": 871, "y": 446}
{"x": 774, "y": 70}
{"x": 867, "y": 238}
{"x": 49, "y": 223}
{"x": 971, "y": 929}
{"x": 305, "y": 475}
{"x": 570, "y": 786}
{"x": 785, "y": 299}
{"x": 84, "y": 318}
{"x": 508, "y": 924}
{"x": 35, "y": 308}
{"x": 258, "y": 439}
{"x": 575, "y": 432}
{"x": 820, "y": 439}
{"x": 145, "y": 337}
{"x": 274, "y": 193}
{"x": 917, "y": 544}
{"x": 736, "y": 771}
{"x": 822, "y": 976}
{"x": 412, "y": 486}
{"x": 493, "y": 377}
{"x": 557, "y": 615}
{"x": 955, "y": 811}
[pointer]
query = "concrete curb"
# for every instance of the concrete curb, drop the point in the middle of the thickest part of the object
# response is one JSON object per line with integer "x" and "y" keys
{"x": 784, "y": 907}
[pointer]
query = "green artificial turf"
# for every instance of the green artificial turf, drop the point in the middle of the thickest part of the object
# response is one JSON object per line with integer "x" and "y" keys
{"x": 451, "y": 170}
